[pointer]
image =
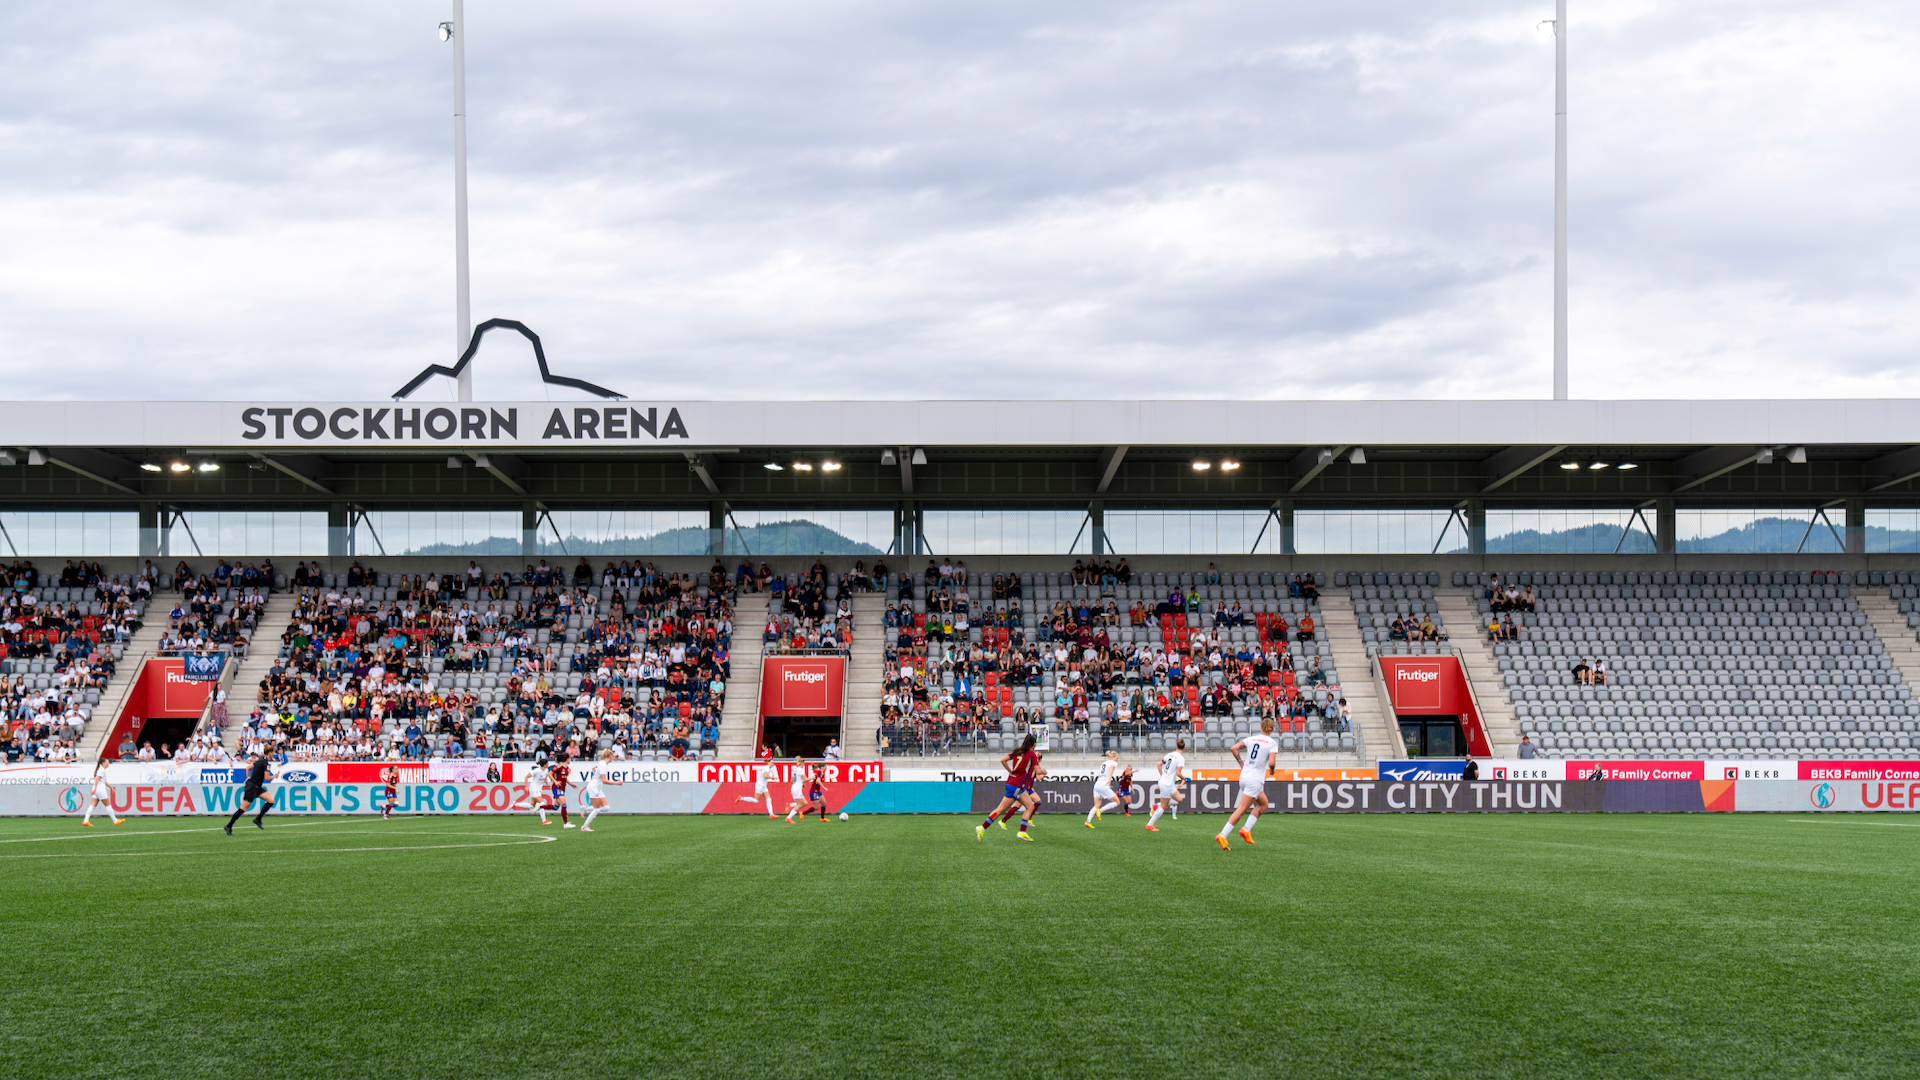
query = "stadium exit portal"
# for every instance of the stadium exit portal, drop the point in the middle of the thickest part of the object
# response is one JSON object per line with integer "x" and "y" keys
{"x": 1434, "y": 706}
{"x": 800, "y": 701}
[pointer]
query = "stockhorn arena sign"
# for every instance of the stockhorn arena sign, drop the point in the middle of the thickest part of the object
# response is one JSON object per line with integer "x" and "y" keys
{"x": 464, "y": 424}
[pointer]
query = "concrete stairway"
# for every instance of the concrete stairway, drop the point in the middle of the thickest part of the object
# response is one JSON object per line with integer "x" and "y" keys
{"x": 740, "y": 720}
{"x": 1341, "y": 628}
{"x": 261, "y": 654}
{"x": 140, "y": 648}
{"x": 1461, "y": 615}
{"x": 866, "y": 675}
{"x": 1891, "y": 627}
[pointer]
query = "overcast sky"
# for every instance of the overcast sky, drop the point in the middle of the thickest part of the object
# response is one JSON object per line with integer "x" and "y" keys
{"x": 746, "y": 199}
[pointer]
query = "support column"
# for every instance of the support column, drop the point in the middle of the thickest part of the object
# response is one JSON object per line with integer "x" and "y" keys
{"x": 1283, "y": 515}
{"x": 150, "y": 531}
{"x": 1477, "y": 526}
{"x": 905, "y": 521}
{"x": 529, "y": 530}
{"x": 717, "y": 529}
{"x": 339, "y": 530}
{"x": 1666, "y": 527}
{"x": 1097, "y": 525}
{"x": 1856, "y": 533}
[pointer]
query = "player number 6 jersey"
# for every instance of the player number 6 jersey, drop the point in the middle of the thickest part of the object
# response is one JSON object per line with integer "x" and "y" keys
{"x": 1260, "y": 753}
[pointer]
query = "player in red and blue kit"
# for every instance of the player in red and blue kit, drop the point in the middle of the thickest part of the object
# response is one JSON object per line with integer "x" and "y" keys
{"x": 1123, "y": 790}
{"x": 558, "y": 775}
{"x": 817, "y": 790}
{"x": 1023, "y": 771}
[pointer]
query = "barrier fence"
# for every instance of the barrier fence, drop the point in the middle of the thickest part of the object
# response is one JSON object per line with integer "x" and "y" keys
{"x": 40, "y": 798}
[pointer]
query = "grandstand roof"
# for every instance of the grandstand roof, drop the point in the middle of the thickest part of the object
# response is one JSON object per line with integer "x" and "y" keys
{"x": 1416, "y": 453}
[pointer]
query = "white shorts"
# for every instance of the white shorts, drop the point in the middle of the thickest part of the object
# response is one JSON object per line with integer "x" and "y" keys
{"x": 1252, "y": 789}
{"x": 595, "y": 793}
{"x": 799, "y": 793}
{"x": 1164, "y": 790}
{"x": 1104, "y": 791}
{"x": 760, "y": 788}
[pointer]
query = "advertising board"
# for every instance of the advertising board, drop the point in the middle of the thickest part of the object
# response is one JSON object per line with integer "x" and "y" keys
{"x": 802, "y": 685}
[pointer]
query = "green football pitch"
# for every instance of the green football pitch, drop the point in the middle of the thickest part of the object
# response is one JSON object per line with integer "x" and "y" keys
{"x": 1365, "y": 946}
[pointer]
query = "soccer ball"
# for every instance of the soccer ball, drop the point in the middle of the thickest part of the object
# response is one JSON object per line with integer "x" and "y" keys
{"x": 843, "y": 815}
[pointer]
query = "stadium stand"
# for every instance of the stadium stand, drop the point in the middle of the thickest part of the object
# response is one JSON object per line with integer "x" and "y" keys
{"x": 813, "y": 613}
{"x": 61, "y": 642}
{"x": 1099, "y": 658}
{"x": 1726, "y": 664}
{"x": 373, "y": 666}
{"x": 1622, "y": 664}
{"x": 1397, "y": 611}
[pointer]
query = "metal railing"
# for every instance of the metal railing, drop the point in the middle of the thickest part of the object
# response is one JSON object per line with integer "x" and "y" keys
{"x": 1387, "y": 714}
{"x": 940, "y": 741}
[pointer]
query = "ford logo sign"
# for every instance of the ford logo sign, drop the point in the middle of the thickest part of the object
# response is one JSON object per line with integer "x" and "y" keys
{"x": 299, "y": 776}
{"x": 1822, "y": 797}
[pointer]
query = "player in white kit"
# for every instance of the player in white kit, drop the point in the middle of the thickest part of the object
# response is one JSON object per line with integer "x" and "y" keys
{"x": 1255, "y": 753}
{"x": 597, "y": 774}
{"x": 763, "y": 775}
{"x": 1166, "y": 792}
{"x": 537, "y": 791}
{"x": 797, "y": 791}
{"x": 102, "y": 796}
{"x": 1103, "y": 788}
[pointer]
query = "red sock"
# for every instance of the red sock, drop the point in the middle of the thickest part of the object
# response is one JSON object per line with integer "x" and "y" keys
{"x": 563, "y": 813}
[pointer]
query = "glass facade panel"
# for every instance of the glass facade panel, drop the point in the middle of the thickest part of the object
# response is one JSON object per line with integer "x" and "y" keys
{"x": 1563, "y": 532}
{"x": 247, "y": 534}
{"x": 1893, "y": 530}
{"x": 1191, "y": 532}
{"x": 1756, "y": 531}
{"x": 1373, "y": 532}
{"x": 70, "y": 534}
{"x": 623, "y": 532}
{"x": 437, "y": 532}
{"x": 1007, "y": 532}
{"x": 810, "y": 532}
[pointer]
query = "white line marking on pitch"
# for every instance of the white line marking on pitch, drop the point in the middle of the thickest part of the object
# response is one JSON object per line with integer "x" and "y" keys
{"x": 158, "y": 832}
{"x": 517, "y": 840}
{"x": 1844, "y": 821}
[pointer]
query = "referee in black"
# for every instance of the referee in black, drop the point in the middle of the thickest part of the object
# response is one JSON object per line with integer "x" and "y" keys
{"x": 256, "y": 789}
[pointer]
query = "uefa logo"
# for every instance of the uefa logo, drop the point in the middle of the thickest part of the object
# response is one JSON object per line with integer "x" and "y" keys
{"x": 1822, "y": 797}
{"x": 70, "y": 800}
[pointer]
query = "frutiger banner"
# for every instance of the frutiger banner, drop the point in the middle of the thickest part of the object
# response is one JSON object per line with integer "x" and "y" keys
{"x": 802, "y": 685}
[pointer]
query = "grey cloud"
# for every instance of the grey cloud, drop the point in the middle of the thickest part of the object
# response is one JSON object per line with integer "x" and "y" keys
{"x": 945, "y": 199}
